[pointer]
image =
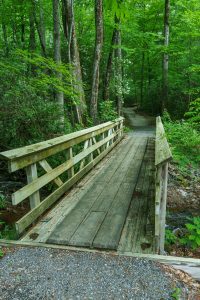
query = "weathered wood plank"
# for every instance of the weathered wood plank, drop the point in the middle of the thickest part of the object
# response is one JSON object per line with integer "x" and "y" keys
{"x": 162, "y": 151}
{"x": 24, "y": 156}
{"x": 109, "y": 233}
{"x": 163, "y": 209}
{"x": 87, "y": 230}
{"x": 133, "y": 234}
{"x": 31, "y": 173}
{"x": 44, "y": 164}
{"x": 69, "y": 156}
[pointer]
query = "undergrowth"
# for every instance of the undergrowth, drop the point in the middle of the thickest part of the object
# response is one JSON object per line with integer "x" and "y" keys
{"x": 184, "y": 140}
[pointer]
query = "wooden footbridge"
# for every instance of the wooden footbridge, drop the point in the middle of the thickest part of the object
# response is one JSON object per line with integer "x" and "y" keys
{"x": 118, "y": 205}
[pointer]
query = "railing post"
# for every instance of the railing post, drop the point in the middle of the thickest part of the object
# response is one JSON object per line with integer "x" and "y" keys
{"x": 31, "y": 173}
{"x": 163, "y": 208}
{"x": 69, "y": 155}
{"x": 158, "y": 192}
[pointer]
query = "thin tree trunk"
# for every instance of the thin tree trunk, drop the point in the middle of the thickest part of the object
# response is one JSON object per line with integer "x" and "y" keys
{"x": 57, "y": 51}
{"x": 142, "y": 81}
{"x": 40, "y": 25}
{"x": 22, "y": 31}
{"x": 97, "y": 58}
{"x": 166, "y": 56}
{"x": 107, "y": 77}
{"x": 4, "y": 30}
{"x": 118, "y": 66}
{"x": 74, "y": 57}
{"x": 32, "y": 42}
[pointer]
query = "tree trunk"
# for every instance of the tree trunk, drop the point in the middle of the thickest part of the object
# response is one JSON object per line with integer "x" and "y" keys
{"x": 23, "y": 31}
{"x": 166, "y": 56}
{"x": 74, "y": 57}
{"x": 118, "y": 67}
{"x": 57, "y": 51}
{"x": 32, "y": 42}
{"x": 142, "y": 81}
{"x": 40, "y": 25}
{"x": 97, "y": 58}
{"x": 4, "y": 30}
{"x": 107, "y": 77}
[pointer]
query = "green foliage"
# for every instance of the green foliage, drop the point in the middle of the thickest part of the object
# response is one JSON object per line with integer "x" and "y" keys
{"x": 193, "y": 115}
{"x": 1, "y": 252}
{"x": 107, "y": 111}
{"x": 192, "y": 238}
{"x": 8, "y": 232}
{"x": 28, "y": 114}
{"x": 2, "y": 201}
{"x": 184, "y": 140}
{"x": 170, "y": 237}
{"x": 176, "y": 293}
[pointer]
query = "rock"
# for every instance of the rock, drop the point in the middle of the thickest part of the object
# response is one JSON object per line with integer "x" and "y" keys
{"x": 183, "y": 193}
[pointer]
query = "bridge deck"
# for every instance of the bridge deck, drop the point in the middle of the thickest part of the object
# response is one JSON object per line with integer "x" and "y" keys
{"x": 114, "y": 210}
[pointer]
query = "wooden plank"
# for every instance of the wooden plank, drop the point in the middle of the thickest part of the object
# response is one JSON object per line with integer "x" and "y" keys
{"x": 69, "y": 156}
{"x": 87, "y": 230}
{"x": 105, "y": 200}
{"x": 109, "y": 233}
{"x": 24, "y": 222}
{"x": 162, "y": 151}
{"x": 134, "y": 228}
{"x": 44, "y": 164}
{"x": 158, "y": 192}
{"x": 24, "y": 156}
{"x": 94, "y": 140}
{"x": 38, "y": 183}
{"x": 31, "y": 173}
{"x": 86, "y": 145}
{"x": 163, "y": 209}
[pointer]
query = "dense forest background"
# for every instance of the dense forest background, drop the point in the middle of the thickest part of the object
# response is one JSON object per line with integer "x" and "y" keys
{"x": 69, "y": 64}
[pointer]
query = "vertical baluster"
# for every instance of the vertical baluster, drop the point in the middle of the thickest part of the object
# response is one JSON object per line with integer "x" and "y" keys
{"x": 163, "y": 208}
{"x": 69, "y": 155}
{"x": 158, "y": 192}
{"x": 31, "y": 173}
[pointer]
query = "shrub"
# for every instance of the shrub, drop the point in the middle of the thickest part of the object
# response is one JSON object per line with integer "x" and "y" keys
{"x": 28, "y": 112}
{"x": 107, "y": 111}
{"x": 184, "y": 140}
{"x": 170, "y": 237}
{"x": 193, "y": 115}
{"x": 192, "y": 237}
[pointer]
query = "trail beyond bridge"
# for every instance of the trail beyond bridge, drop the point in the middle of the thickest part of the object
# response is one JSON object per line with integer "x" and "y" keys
{"x": 118, "y": 205}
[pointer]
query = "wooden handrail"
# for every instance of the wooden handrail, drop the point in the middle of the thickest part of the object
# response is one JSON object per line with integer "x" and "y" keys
{"x": 162, "y": 149}
{"x": 24, "y": 156}
{"x": 98, "y": 141}
{"x": 162, "y": 157}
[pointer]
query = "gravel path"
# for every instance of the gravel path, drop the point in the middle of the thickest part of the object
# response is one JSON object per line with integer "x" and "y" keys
{"x": 41, "y": 273}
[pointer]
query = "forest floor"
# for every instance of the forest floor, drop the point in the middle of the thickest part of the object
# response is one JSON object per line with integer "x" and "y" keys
{"x": 183, "y": 203}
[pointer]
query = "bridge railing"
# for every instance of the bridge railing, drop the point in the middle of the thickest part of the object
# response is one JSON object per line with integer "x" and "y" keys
{"x": 76, "y": 152}
{"x": 162, "y": 157}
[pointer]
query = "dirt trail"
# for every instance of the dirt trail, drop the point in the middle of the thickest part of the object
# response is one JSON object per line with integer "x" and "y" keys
{"x": 141, "y": 125}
